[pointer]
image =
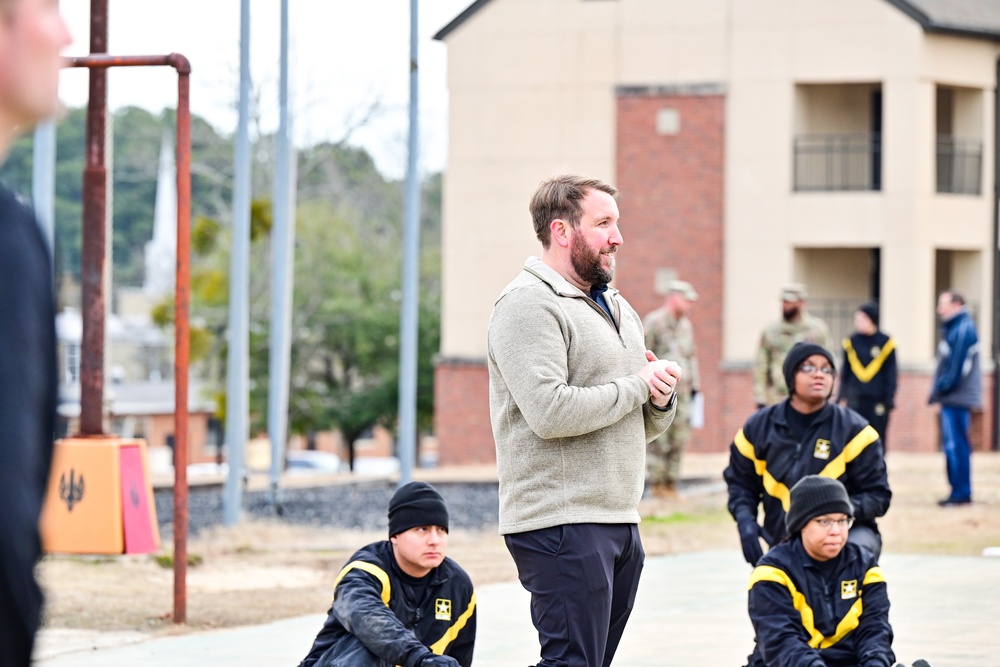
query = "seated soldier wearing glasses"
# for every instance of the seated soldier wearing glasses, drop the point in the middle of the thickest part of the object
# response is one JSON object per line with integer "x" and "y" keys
{"x": 804, "y": 435}
{"x": 806, "y": 594}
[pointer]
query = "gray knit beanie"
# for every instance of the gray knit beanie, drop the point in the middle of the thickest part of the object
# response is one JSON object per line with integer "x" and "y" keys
{"x": 814, "y": 496}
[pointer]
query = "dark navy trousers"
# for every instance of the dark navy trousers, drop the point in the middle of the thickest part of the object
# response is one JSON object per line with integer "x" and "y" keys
{"x": 583, "y": 579}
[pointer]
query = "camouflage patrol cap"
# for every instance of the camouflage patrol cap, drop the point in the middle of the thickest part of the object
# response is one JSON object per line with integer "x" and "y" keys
{"x": 793, "y": 292}
{"x": 683, "y": 288}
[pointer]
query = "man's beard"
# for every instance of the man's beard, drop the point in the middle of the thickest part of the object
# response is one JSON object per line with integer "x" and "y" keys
{"x": 587, "y": 263}
{"x": 790, "y": 313}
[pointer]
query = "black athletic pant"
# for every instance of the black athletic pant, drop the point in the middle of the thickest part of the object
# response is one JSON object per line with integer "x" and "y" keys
{"x": 583, "y": 579}
{"x": 879, "y": 422}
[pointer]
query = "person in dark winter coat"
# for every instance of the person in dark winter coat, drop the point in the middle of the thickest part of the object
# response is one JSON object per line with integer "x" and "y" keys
{"x": 401, "y": 601}
{"x": 805, "y": 435}
{"x": 32, "y": 35}
{"x": 958, "y": 387}
{"x": 869, "y": 372}
{"x": 818, "y": 600}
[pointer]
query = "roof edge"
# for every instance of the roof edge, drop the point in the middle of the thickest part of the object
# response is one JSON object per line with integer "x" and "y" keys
{"x": 931, "y": 26}
{"x": 460, "y": 19}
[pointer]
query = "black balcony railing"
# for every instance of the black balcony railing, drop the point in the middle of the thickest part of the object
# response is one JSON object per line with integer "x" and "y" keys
{"x": 832, "y": 162}
{"x": 839, "y": 317}
{"x": 959, "y": 165}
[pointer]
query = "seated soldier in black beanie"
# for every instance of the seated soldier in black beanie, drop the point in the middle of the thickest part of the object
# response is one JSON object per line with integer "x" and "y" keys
{"x": 805, "y": 434}
{"x": 401, "y": 601}
{"x": 806, "y": 593}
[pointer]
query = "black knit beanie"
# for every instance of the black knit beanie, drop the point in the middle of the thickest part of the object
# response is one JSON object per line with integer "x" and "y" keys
{"x": 814, "y": 496}
{"x": 416, "y": 504}
{"x": 799, "y": 353}
{"x": 871, "y": 310}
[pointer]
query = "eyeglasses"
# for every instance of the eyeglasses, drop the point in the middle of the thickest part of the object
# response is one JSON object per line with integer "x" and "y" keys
{"x": 809, "y": 369}
{"x": 827, "y": 524}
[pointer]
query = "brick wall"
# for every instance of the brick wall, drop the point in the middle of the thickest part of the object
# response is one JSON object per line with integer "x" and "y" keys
{"x": 672, "y": 218}
{"x": 462, "y": 412}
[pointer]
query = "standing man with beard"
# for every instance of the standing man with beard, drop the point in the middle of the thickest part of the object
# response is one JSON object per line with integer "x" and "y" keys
{"x": 32, "y": 35}
{"x": 574, "y": 398}
{"x": 795, "y": 326}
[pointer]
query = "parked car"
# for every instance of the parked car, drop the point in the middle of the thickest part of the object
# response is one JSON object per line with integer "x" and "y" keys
{"x": 306, "y": 462}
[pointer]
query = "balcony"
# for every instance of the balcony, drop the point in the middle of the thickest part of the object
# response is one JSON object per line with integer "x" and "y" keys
{"x": 838, "y": 162}
{"x": 959, "y": 165}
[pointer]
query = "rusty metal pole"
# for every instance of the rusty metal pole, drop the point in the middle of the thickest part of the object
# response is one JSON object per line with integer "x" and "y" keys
{"x": 182, "y": 298}
{"x": 182, "y": 301}
{"x": 95, "y": 193}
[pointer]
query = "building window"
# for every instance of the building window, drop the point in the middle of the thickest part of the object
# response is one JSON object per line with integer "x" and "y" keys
{"x": 72, "y": 363}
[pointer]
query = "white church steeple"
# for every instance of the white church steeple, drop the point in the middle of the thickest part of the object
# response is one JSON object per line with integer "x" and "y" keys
{"x": 161, "y": 252}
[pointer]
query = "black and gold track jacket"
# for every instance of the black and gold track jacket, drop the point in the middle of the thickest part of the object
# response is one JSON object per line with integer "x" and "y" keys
{"x": 376, "y": 603}
{"x": 766, "y": 458}
{"x": 869, "y": 373}
{"x": 803, "y": 619}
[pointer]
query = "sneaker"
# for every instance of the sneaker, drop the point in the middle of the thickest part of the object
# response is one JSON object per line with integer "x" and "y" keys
{"x": 954, "y": 502}
{"x": 921, "y": 663}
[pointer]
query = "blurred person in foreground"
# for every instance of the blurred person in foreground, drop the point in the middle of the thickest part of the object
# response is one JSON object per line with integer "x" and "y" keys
{"x": 670, "y": 335}
{"x": 574, "y": 398}
{"x": 869, "y": 372}
{"x": 795, "y": 326}
{"x": 804, "y": 435}
{"x": 32, "y": 36}
{"x": 401, "y": 601}
{"x": 958, "y": 387}
{"x": 816, "y": 599}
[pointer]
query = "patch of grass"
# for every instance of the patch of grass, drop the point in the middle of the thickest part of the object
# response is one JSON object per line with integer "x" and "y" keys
{"x": 675, "y": 518}
{"x": 166, "y": 561}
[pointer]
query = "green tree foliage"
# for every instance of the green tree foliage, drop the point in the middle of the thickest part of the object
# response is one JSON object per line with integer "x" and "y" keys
{"x": 348, "y": 265}
{"x": 133, "y": 164}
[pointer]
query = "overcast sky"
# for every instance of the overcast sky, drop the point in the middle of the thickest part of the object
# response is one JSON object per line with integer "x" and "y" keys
{"x": 344, "y": 57}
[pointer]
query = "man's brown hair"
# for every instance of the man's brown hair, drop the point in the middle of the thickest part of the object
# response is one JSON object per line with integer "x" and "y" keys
{"x": 559, "y": 198}
{"x": 955, "y": 296}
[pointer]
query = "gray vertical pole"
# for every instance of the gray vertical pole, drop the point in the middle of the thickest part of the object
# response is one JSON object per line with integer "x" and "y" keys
{"x": 238, "y": 362}
{"x": 43, "y": 179}
{"x": 283, "y": 240}
{"x": 411, "y": 270}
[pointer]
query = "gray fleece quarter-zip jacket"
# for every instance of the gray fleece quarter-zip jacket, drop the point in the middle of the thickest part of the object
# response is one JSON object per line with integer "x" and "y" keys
{"x": 570, "y": 417}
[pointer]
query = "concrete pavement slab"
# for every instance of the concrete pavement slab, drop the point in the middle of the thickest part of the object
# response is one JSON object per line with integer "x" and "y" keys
{"x": 690, "y": 611}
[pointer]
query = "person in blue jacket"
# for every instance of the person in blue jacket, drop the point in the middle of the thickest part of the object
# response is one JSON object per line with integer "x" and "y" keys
{"x": 958, "y": 387}
{"x": 817, "y": 600}
{"x": 401, "y": 601}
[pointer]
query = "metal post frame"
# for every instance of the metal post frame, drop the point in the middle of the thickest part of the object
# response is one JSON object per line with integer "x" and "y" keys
{"x": 182, "y": 298}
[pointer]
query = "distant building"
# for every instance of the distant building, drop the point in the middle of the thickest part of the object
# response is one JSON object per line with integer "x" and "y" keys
{"x": 847, "y": 145}
{"x": 139, "y": 387}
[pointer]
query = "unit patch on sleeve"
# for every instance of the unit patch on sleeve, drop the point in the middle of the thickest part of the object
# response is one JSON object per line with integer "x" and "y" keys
{"x": 442, "y": 609}
{"x": 822, "y": 450}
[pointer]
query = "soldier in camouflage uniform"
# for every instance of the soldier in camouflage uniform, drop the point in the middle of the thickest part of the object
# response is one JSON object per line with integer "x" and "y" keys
{"x": 669, "y": 335}
{"x": 778, "y": 338}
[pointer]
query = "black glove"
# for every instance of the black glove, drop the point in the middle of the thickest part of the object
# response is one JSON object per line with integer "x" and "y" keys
{"x": 439, "y": 661}
{"x": 750, "y": 539}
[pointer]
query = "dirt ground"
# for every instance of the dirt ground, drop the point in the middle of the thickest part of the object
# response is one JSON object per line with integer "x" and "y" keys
{"x": 259, "y": 572}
